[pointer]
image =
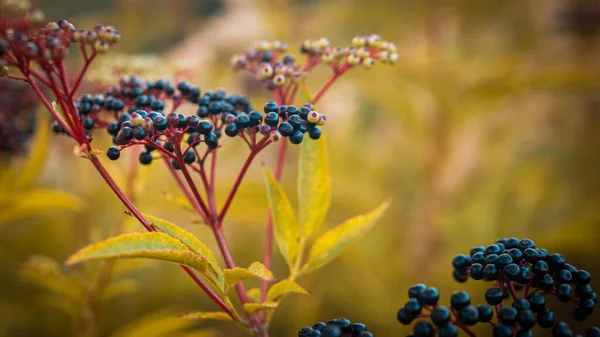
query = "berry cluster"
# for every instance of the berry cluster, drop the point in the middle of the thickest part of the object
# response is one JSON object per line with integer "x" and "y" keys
{"x": 516, "y": 265}
{"x": 17, "y": 117}
{"x": 270, "y": 63}
{"x": 48, "y": 44}
{"x": 341, "y": 327}
{"x": 138, "y": 110}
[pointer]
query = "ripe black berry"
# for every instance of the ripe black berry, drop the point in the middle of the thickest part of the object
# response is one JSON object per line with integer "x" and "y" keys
{"x": 485, "y": 313}
{"x": 440, "y": 315}
{"x": 448, "y": 330}
{"x": 286, "y": 129}
{"x": 545, "y": 318}
{"x": 415, "y": 290}
{"x": 297, "y": 137}
{"x": 423, "y": 329}
{"x": 564, "y": 292}
{"x": 113, "y": 153}
{"x": 189, "y": 157}
{"x": 493, "y": 296}
{"x": 502, "y": 330}
{"x": 429, "y": 296}
{"x": 145, "y": 158}
{"x": 460, "y": 299}
{"x": 561, "y": 329}
{"x": 468, "y": 315}
{"x": 508, "y": 315}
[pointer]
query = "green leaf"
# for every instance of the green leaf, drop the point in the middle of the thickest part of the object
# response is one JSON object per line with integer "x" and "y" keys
{"x": 155, "y": 245}
{"x": 237, "y": 274}
{"x": 285, "y": 225}
{"x": 193, "y": 243}
{"x": 219, "y": 316}
{"x": 314, "y": 186}
{"x": 253, "y": 307}
{"x": 283, "y": 288}
{"x": 39, "y": 147}
{"x": 332, "y": 243}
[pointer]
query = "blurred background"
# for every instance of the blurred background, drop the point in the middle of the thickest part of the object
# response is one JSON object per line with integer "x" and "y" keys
{"x": 486, "y": 128}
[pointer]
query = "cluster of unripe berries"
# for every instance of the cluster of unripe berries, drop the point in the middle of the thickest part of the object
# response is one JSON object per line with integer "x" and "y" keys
{"x": 271, "y": 65}
{"x": 517, "y": 266}
{"x": 363, "y": 51}
{"x": 341, "y": 327}
{"x": 49, "y": 43}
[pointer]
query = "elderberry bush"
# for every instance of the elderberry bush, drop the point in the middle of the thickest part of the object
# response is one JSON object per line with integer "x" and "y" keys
{"x": 524, "y": 277}
{"x": 340, "y": 327}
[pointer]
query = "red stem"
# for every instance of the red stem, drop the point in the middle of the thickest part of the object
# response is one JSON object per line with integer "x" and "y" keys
{"x": 192, "y": 186}
{"x": 82, "y": 74}
{"x": 49, "y": 107}
{"x": 236, "y": 185}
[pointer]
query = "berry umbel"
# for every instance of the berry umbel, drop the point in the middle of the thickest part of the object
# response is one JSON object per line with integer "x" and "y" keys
{"x": 340, "y": 327}
{"x": 525, "y": 278}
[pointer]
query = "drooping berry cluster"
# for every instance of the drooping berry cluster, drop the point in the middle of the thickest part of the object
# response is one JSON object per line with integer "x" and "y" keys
{"x": 270, "y": 63}
{"x": 525, "y": 276}
{"x": 341, "y": 327}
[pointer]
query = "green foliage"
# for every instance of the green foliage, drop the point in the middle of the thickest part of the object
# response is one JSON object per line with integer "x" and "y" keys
{"x": 283, "y": 288}
{"x": 253, "y": 307}
{"x": 256, "y": 269}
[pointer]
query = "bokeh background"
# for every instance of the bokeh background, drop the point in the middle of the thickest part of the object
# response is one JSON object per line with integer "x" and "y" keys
{"x": 487, "y": 127}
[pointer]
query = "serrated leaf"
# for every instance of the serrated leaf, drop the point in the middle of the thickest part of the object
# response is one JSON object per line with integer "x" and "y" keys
{"x": 332, "y": 243}
{"x": 314, "y": 186}
{"x": 237, "y": 274}
{"x": 254, "y": 294}
{"x": 189, "y": 239}
{"x": 253, "y": 307}
{"x": 283, "y": 288}
{"x": 219, "y": 316}
{"x": 155, "y": 245}
{"x": 285, "y": 225}
{"x": 39, "y": 149}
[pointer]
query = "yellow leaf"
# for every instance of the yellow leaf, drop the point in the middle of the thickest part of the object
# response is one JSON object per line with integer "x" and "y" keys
{"x": 285, "y": 225}
{"x": 254, "y": 294}
{"x": 283, "y": 288}
{"x": 38, "y": 202}
{"x": 237, "y": 274}
{"x": 314, "y": 185}
{"x": 39, "y": 149}
{"x": 220, "y": 316}
{"x": 332, "y": 243}
{"x": 253, "y": 307}
{"x": 189, "y": 239}
{"x": 155, "y": 245}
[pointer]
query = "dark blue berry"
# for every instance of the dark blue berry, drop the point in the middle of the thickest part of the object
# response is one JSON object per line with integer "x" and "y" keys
{"x": 582, "y": 277}
{"x": 531, "y": 255}
{"x": 540, "y": 268}
{"x": 124, "y": 117}
{"x": 255, "y": 118}
{"x": 468, "y": 315}
{"x": 545, "y": 282}
{"x": 502, "y": 330}
{"x": 508, "y": 315}
{"x": 231, "y": 130}
{"x": 490, "y": 259}
{"x": 404, "y": 317}
{"x": 113, "y": 153}
{"x": 331, "y": 331}
{"x": 521, "y": 304}
{"x": 192, "y": 121}
{"x": 318, "y": 326}
{"x": 314, "y": 132}
{"x": 525, "y": 243}
{"x": 297, "y": 137}
{"x": 440, "y": 315}
{"x": 448, "y": 330}
{"x": 157, "y": 105}
{"x": 511, "y": 271}
{"x": 423, "y": 329}
{"x": 88, "y": 123}
{"x": 478, "y": 257}
{"x": 525, "y": 275}
{"x": 524, "y": 333}
{"x": 242, "y": 121}
{"x": 476, "y": 249}
{"x": 204, "y": 127}
{"x": 536, "y": 302}
{"x": 476, "y": 271}
{"x": 561, "y": 329}
{"x": 139, "y": 133}
{"x": 460, "y": 299}
{"x": 503, "y": 261}
{"x": 526, "y": 319}
{"x": 193, "y": 139}
{"x": 556, "y": 261}
{"x": 286, "y": 129}
{"x": 515, "y": 253}
{"x": 492, "y": 249}
{"x": 202, "y": 112}
{"x": 490, "y": 272}
{"x": 296, "y": 121}
{"x": 545, "y": 318}
{"x": 160, "y": 123}
{"x": 413, "y": 307}
{"x": 493, "y": 296}
{"x": 593, "y": 332}
{"x": 461, "y": 261}
{"x": 272, "y": 119}
{"x": 460, "y": 275}
{"x": 141, "y": 101}
{"x": 211, "y": 140}
{"x": 189, "y": 157}
{"x": 145, "y": 158}
{"x": 564, "y": 292}
{"x": 415, "y": 290}
{"x": 485, "y": 313}
{"x": 564, "y": 276}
